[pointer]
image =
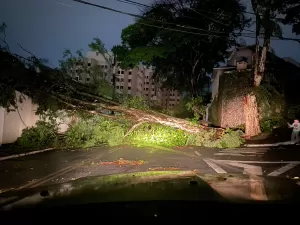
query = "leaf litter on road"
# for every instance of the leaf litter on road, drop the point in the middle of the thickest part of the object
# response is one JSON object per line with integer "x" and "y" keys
{"x": 163, "y": 168}
{"x": 122, "y": 161}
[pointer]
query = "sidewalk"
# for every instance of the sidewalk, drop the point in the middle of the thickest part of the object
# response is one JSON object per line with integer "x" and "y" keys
{"x": 280, "y": 136}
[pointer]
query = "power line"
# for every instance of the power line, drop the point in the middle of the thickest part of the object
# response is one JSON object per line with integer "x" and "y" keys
{"x": 216, "y": 21}
{"x": 171, "y": 29}
{"x": 144, "y": 5}
{"x": 133, "y": 2}
{"x": 141, "y": 17}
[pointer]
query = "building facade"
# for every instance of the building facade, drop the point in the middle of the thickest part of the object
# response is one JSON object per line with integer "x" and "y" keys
{"x": 138, "y": 81}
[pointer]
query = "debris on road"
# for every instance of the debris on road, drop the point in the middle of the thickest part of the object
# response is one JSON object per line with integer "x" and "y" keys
{"x": 164, "y": 168}
{"x": 122, "y": 161}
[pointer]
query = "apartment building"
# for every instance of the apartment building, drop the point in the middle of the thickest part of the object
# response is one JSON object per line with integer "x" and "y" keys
{"x": 137, "y": 81}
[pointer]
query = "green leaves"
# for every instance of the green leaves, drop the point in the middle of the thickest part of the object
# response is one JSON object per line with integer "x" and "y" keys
{"x": 180, "y": 42}
{"x": 41, "y": 136}
{"x": 135, "y": 102}
{"x": 98, "y": 46}
{"x": 291, "y": 11}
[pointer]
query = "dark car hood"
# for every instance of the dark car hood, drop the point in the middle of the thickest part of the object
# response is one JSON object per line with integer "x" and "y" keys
{"x": 172, "y": 185}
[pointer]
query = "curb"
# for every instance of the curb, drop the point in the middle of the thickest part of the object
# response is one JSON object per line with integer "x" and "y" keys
{"x": 24, "y": 154}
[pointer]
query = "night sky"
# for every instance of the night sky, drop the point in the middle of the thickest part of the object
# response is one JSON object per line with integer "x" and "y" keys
{"x": 47, "y": 27}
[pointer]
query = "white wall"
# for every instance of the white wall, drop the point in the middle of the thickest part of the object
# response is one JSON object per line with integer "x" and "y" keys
{"x": 12, "y": 123}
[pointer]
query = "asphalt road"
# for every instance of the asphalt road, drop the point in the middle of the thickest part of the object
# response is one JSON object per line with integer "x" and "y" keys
{"x": 61, "y": 166}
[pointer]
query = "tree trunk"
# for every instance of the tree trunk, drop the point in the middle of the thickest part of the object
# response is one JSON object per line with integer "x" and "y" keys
{"x": 262, "y": 63}
{"x": 256, "y": 77}
{"x": 132, "y": 114}
{"x": 251, "y": 115}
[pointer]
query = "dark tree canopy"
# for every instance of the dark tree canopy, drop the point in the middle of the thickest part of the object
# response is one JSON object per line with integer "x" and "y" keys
{"x": 183, "y": 39}
{"x": 291, "y": 11}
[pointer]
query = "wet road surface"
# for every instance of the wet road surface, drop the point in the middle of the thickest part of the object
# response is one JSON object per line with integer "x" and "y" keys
{"x": 63, "y": 165}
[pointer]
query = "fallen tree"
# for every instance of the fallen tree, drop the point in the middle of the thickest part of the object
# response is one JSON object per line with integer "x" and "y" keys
{"x": 54, "y": 90}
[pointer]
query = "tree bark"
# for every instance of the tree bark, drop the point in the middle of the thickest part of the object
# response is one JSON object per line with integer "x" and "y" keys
{"x": 251, "y": 115}
{"x": 132, "y": 114}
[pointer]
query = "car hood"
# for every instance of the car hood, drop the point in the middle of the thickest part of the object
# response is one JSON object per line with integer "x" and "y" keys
{"x": 158, "y": 185}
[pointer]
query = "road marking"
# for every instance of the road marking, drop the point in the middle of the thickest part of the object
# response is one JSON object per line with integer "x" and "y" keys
{"x": 241, "y": 152}
{"x": 257, "y": 188}
{"x": 232, "y": 154}
{"x": 197, "y": 153}
{"x": 248, "y": 169}
{"x": 217, "y": 168}
{"x": 268, "y": 162}
{"x": 255, "y": 170}
{"x": 59, "y": 173}
{"x": 283, "y": 169}
{"x": 32, "y": 184}
{"x": 244, "y": 151}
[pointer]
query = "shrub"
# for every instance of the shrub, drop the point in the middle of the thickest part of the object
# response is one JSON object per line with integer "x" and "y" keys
{"x": 268, "y": 125}
{"x": 94, "y": 131}
{"x": 197, "y": 106}
{"x": 135, "y": 102}
{"x": 40, "y": 136}
{"x": 205, "y": 137}
{"x": 231, "y": 139}
{"x": 209, "y": 139}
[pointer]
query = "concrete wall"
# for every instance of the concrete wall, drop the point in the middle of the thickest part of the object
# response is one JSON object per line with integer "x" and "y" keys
{"x": 241, "y": 52}
{"x": 215, "y": 82}
{"x": 12, "y": 123}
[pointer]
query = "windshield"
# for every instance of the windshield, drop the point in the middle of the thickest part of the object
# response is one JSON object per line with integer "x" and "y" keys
{"x": 154, "y": 89}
